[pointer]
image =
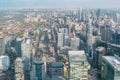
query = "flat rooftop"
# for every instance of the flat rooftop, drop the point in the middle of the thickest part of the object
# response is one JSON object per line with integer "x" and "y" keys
{"x": 76, "y": 56}
{"x": 113, "y": 61}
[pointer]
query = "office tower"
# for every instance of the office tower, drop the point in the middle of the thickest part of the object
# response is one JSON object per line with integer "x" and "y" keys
{"x": 98, "y": 13}
{"x": 57, "y": 69}
{"x": 39, "y": 67}
{"x": 79, "y": 14}
{"x": 66, "y": 40}
{"x": 110, "y": 69}
{"x": 99, "y": 52}
{"x": 60, "y": 39}
{"x": 106, "y": 33}
{"x": 20, "y": 68}
{"x": 78, "y": 65}
{"x": 75, "y": 43}
{"x": 4, "y": 63}
{"x": 2, "y": 46}
{"x": 115, "y": 36}
{"x": 27, "y": 52}
{"x": 89, "y": 39}
{"x": 18, "y": 47}
{"x": 49, "y": 61}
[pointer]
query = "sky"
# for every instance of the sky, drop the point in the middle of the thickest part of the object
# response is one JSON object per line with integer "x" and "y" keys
{"x": 59, "y": 3}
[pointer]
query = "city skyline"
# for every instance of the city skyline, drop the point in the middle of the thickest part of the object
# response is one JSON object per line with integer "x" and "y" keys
{"x": 59, "y": 4}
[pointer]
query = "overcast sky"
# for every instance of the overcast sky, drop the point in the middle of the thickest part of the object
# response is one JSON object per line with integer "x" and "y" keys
{"x": 60, "y": 3}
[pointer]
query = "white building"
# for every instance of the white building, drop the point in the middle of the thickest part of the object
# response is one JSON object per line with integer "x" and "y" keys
{"x": 89, "y": 38}
{"x": 78, "y": 65}
{"x": 60, "y": 39}
{"x": 4, "y": 63}
{"x": 26, "y": 50}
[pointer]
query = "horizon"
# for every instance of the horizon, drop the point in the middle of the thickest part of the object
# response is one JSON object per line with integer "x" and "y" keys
{"x": 92, "y": 4}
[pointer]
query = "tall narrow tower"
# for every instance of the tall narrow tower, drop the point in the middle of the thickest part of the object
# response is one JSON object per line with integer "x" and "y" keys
{"x": 89, "y": 38}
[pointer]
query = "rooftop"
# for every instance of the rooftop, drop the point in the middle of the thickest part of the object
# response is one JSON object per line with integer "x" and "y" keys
{"x": 77, "y": 56}
{"x": 113, "y": 61}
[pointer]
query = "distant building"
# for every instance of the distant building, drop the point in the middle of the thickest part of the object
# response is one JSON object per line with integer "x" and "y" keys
{"x": 66, "y": 40}
{"x": 63, "y": 29}
{"x": 49, "y": 61}
{"x": 110, "y": 69}
{"x": 60, "y": 39}
{"x": 75, "y": 43}
{"x": 65, "y": 49}
{"x": 116, "y": 36}
{"x": 78, "y": 65}
{"x": 7, "y": 42}
{"x": 18, "y": 47}
{"x": 20, "y": 69}
{"x": 2, "y": 46}
{"x": 57, "y": 69}
{"x": 106, "y": 34}
{"x": 89, "y": 39}
{"x": 26, "y": 51}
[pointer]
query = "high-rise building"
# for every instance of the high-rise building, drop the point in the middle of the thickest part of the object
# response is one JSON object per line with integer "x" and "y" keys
{"x": 4, "y": 63}
{"x": 2, "y": 46}
{"x": 27, "y": 52}
{"x": 98, "y": 14}
{"x": 49, "y": 61}
{"x": 57, "y": 69}
{"x": 66, "y": 40}
{"x": 106, "y": 34}
{"x": 89, "y": 39}
{"x": 20, "y": 68}
{"x": 18, "y": 47}
{"x": 78, "y": 65}
{"x": 60, "y": 39}
{"x": 99, "y": 52}
{"x": 39, "y": 67}
{"x": 110, "y": 69}
{"x": 75, "y": 42}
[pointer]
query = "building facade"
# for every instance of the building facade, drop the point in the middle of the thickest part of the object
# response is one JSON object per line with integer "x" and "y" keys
{"x": 110, "y": 69}
{"x": 60, "y": 39}
{"x": 57, "y": 69}
{"x": 26, "y": 51}
{"x": 78, "y": 65}
{"x": 20, "y": 69}
{"x": 75, "y": 43}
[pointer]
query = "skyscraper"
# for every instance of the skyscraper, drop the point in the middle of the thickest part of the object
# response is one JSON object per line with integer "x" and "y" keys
{"x": 78, "y": 65}
{"x": 57, "y": 69}
{"x": 89, "y": 39}
{"x": 27, "y": 52}
{"x": 39, "y": 67}
{"x": 20, "y": 69}
{"x": 110, "y": 69}
{"x": 60, "y": 39}
{"x": 74, "y": 43}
